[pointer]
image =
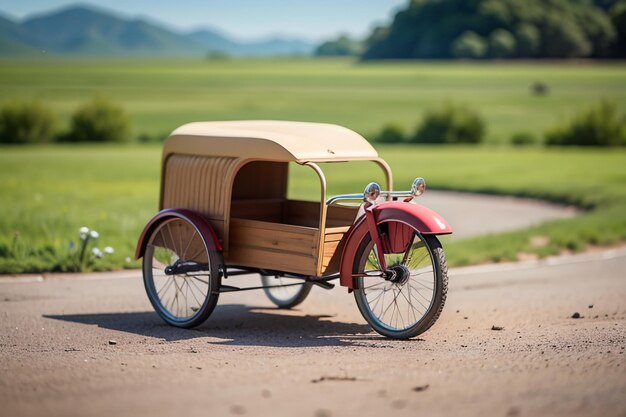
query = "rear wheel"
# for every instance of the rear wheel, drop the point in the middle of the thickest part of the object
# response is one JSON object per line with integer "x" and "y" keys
{"x": 410, "y": 299}
{"x": 285, "y": 292}
{"x": 180, "y": 273}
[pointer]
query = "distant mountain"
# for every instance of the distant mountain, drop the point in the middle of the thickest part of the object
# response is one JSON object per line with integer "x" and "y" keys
{"x": 212, "y": 41}
{"x": 273, "y": 46}
{"x": 15, "y": 40}
{"x": 268, "y": 47}
{"x": 84, "y": 30}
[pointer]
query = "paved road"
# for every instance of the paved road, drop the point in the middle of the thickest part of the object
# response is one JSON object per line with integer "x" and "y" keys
{"x": 322, "y": 359}
{"x": 475, "y": 214}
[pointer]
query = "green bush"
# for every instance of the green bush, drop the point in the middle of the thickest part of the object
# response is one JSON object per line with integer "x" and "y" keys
{"x": 501, "y": 44}
{"x": 391, "y": 133}
{"x": 99, "y": 121}
{"x": 528, "y": 40}
{"x": 567, "y": 39}
{"x": 26, "y": 122}
{"x": 342, "y": 46}
{"x": 451, "y": 124}
{"x": 601, "y": 125}
{"x": 469, "y": 45}
{"x": 152, "y": 138}
{"x": 523, "y": 139}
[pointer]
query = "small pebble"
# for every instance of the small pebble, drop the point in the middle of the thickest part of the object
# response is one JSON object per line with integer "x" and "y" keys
{"x": 322, "y": 412}
{"x": 494, "y": 327}
{"x": 576, "y": 315}
{"x": 237, "y": 409}
{"x": 112, "y": 342}
{"x": 421, "y": 388}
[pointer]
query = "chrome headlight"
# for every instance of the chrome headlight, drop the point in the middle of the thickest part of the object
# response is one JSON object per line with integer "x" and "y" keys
{"x": 371, "y": 193}
{"x": 418, "y": 187}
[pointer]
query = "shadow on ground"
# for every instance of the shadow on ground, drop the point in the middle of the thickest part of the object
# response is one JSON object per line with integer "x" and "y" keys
{"x": 235, "y": 325}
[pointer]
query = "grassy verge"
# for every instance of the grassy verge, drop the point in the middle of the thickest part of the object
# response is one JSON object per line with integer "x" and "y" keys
{"x": 49, "y": 192}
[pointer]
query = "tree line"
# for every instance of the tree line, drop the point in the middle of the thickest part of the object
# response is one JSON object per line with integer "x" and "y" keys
{"x": 494, "y": 29}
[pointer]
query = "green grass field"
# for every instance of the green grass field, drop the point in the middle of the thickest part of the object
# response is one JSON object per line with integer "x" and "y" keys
{"x": 49, "y": 192}
{"x": 161, "y": 95}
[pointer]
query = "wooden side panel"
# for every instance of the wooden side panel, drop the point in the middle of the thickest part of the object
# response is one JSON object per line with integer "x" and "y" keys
{"x": 261, "y": 180}
{"x": 341, "y": 215}
{"x": 264, "y": 210}
{"x": 201, "y": 184}
{"x": 303, "y": 213}
{"x": 197, "y": 183}
{"x": 333, "y": 242}
{"x": 274, "y": 246}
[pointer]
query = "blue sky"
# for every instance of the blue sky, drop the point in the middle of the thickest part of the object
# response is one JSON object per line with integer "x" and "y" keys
{"x": 312, "y": 19}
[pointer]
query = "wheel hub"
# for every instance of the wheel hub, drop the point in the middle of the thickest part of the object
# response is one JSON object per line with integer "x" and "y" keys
{"x": 398, "y": 274}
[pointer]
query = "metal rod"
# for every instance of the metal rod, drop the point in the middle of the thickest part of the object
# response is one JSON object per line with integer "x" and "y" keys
{"x": 386, "y": 194}
{"x": 230, "y": 288}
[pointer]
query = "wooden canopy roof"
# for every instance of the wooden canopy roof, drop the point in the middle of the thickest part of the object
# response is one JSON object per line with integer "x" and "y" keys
{"x": 270, "y": 140}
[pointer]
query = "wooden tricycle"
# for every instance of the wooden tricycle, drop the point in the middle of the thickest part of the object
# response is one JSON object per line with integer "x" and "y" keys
{"x": 225, "y": 211}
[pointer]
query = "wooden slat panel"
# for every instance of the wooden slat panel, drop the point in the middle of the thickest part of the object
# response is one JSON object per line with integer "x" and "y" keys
{"x": 197, "y": 183}
{"x": 263, "y": 210}
{"x": 302, "y": 230}
{"x": 341, "y": 215}
{"x": 305, "y": 213}
{"x": 335, "y": 234}
{"x": 261, "y": 180}
{"x": 277, "y": 261}
{"x": 294, "y": 240}
{"x": 273, "y": 246}
{"x": 334, "y": 240}
{"x": 329, "y": 250}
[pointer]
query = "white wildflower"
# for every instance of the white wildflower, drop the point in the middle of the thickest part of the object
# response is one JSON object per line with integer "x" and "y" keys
{"x": 84, "y": 231}
{"x": 94, "y": 234}
{"x": 108, "y": 250}
{"x": 96, "y": 253}
{"x": 127, "y": 259}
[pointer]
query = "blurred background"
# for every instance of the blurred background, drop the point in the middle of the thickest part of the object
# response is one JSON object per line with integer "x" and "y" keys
{"x": 510, "y": 97}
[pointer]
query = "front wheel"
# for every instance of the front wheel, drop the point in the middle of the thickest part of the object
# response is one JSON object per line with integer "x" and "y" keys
{"x": 180, "y": 273}
{"x": 409, "y": 300}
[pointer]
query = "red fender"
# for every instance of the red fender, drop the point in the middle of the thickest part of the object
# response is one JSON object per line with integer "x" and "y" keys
{"x": 426, "y": 221}
{"x": 203, "y": 225}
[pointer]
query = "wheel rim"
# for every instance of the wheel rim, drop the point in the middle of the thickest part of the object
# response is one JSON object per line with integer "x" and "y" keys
{"x": 402, "y": 303}
{"x": 178, "y": 270}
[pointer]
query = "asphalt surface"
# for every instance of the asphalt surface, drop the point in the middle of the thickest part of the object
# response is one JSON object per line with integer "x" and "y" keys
{"x": 92, "y": 346}
{"x": 476, "y": 214}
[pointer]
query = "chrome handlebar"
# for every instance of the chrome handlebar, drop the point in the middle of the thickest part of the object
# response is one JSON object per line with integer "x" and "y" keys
{"x": 373, "y": 192}
{"x": 386, "y": 194}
